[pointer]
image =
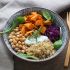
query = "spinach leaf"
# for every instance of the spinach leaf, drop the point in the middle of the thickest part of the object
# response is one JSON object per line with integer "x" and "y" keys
{"x": 57, "y": 44}
{"x": 20, "y": 19}
{"x": 14, "y": 23}
{"x": 27, "y": 56}
{"x": 10, "y": 28}
{"x": 46, "y": 15}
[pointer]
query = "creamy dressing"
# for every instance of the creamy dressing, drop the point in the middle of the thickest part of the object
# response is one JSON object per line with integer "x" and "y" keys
{"x": 33, "y": 40}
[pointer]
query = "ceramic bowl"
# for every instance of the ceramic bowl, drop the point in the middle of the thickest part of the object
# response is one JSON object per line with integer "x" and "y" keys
{"x": 59, "y": 22}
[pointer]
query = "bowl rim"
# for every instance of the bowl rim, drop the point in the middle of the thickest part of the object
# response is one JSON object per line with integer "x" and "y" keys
{"x": 42, "y": 60}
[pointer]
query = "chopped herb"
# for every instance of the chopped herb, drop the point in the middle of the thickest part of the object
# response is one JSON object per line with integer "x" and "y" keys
{"x": 36, "y": 33}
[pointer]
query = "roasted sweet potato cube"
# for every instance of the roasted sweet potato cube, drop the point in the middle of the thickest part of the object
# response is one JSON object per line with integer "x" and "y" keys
{"x": 29, "y": 25}
{"x": 39, "y": 23}
{"x": 43, "y": 29}
{"x": 39, "y": 17}
{"x": 20, "y": 26}
{"x": 23, "y": 30}
{"x": 47, "y": 22}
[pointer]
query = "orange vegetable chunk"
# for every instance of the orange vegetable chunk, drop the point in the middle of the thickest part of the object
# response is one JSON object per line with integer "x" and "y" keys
{"x": 29, "y": 25}
{"x": 23, "y": 30}
{"x": 40, "y": 17}
{"x": 47, "y": 22}
{"x": 29, "y": 32}
{"x": 39, "y": 23}
{"x": 20, "y": 26}
{"x": 43, "y": 29}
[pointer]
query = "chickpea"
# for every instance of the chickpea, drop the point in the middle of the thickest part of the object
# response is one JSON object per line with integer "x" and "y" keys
{"x": 23, "y": 43}
{"x": 22, "y": 51}
{"x": 19, "y": 42}
{"x": 12, "y": 33}
{"x": 21, "y": 39}
{"x": 23, "y": 36}
{"x": 17, "y": 45}
{"x": 16, "y": 38}
{"x": 14, "y": 41}
{"x": 19, "y": 50}
{"x": 26, "y": 35}
{"x": 13, "y": 46}
{"x": 16, "y": 49}
{"x": 24, "y": 48}
{"x": 16, "y": 29}
{"x": 10, "y": 36}
{"x": 18, "y": 35}
{"x": 10, "y": 40}
{"x": 20, "y": 46}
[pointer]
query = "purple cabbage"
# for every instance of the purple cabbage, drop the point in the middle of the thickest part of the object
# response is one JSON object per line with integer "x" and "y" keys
{"x": 53, "y": 33}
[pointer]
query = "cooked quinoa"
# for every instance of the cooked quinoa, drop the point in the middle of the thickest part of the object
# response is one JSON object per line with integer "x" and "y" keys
{"x": 41, "y": 50}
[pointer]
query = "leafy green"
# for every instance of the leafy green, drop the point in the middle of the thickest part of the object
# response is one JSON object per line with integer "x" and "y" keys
{"x": 14, "y": 23}
{"x": 20, "y": 19}
{"x": 26, "y": 56}
{"x": 57, "y": 44}
{"x": 10, "y": 28}
{"x": 46, "y": 15}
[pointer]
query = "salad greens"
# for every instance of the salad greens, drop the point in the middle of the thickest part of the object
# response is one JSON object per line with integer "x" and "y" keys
{"x": 46, "y": 15}
{"x": 15, "y": 22}
{"x": 26, "y": 56}
{"x": 20, "y": 19}
{"x": 57, "y": 44}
